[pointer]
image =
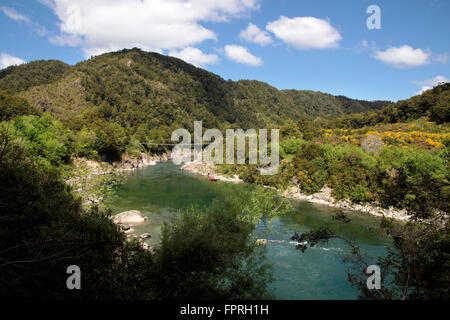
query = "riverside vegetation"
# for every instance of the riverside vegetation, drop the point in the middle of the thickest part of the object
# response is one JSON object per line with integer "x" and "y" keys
{"x": 391, "y": 154}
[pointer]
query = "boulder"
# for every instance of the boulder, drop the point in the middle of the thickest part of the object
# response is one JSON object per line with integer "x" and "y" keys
{"x": 262, "y": 242}
{"x": 129, "y": 217}
{"x": 145, "y": 236}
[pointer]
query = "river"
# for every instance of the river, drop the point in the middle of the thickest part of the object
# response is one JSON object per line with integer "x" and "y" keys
{"x": 162, "y": 190}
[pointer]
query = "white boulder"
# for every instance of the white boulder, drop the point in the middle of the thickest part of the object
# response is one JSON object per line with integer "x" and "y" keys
{"x": 129, "y": 217}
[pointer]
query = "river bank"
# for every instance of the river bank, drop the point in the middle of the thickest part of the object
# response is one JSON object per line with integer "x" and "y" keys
{"x": 323, "y": 197}
{"x": 88, "y": 171}
{"x": 91, "y": 179}
{"x": 161, "y": 192}
{"x": 208, "y": 169}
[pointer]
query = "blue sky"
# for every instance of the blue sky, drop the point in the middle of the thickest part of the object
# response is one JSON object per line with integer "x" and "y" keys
{"x": 322, "y": 45}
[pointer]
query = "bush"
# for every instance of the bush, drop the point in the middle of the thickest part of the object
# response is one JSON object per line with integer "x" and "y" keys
{"x": 418, "y": 181}
{"x": 85, "y": 144}
{"x": 44, "y": 230}
{"x": 41, "y": 137}
{"x": 111, "y": 141}
{"x": 291, "y": 146}
{"x": 13, "y": 106}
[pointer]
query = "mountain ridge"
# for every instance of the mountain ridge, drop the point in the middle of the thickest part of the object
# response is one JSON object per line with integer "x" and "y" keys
{"x": 137, "y": 88}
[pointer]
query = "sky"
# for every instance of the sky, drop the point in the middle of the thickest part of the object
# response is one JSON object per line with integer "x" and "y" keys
{"x": 372, "y": 50}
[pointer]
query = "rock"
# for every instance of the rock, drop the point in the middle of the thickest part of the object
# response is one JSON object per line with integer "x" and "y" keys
{"x": 208, "y": 169}
{"x": 198, "y": 167}
{"x": 324, "y": 197}
{"x": 262, "y": 242}
{"x": 129, "y": 217}
{"x": 145, "y": 236}
{"x": 146, "y": 160}
{"x": 129, "y": 230}
{"x": 181, "y": 155}
{"x": 164, "y": 157}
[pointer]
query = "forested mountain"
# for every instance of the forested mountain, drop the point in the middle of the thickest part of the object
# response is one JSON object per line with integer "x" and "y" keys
{"x": 154, "y": 93}
{"x": 433, "y": 104}
{"x": 21, "y": 77}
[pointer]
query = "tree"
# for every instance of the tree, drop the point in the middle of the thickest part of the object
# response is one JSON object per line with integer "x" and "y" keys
{"x": 44, "y": 230}
{"x": 212, "y": 254}
{"x": 416, "y": 266}
{"x": 12, "y": 106}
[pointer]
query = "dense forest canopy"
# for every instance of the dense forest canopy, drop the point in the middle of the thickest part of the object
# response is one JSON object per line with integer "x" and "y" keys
{"x": 22, "y": 77}
{"x": 433, "y": 104}
{"x": 150, "y": 91}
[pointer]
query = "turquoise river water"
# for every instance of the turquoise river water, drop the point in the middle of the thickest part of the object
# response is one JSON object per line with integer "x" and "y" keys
{"x": 161, "y": 191}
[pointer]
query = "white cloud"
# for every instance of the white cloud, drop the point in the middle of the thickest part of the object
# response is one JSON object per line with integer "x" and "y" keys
{"x": 149, "y": 24}
{"x": 404, "y": 57}
{"x": 194, "y": 56}
{"x": 13, "y": 14}
{"x": 430, "y": 83}
{"x": 305, "y": 33}
{"x": 255, "y": 35}
{"x": 242, "y": 55}
{"x": 6, "y": 60}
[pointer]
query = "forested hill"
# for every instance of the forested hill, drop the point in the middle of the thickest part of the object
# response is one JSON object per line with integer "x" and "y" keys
{"x": 148, "y": 91}
{"x": 433, "y": 104}
{"x": 22, "y": 77}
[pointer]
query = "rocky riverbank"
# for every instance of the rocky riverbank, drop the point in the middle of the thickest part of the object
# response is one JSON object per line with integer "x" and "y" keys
{"x": 323, "y": 197}
{"x": 126, "y": 220}
{"x": 126, "y": 164}
{"x": 88, "y": 175}
{"x": 208, "y": 169}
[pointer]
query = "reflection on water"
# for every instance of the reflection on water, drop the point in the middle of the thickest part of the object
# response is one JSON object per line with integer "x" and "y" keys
{"x": 161, "y": 191}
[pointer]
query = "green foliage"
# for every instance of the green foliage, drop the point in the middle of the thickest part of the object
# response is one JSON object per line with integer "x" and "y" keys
{"x": 433, "y": 104}
{"x": 209, "y": 255}
{"x": 312, "y": 238}
{"x": 44, "y": 231}
{"x": 19, "y": 78}
{"x": 411, "y": 179}
{"x": 85, "y": 144}
{"x": 415, "y": 267}
{"x": 111, "y": 140}
{"x": 156, "y": 94}
{"x": 12, "y": 106}
{"x": 41, "y": 137}
{"x": 290, "y": 147}
{"x": 418, "y": 182}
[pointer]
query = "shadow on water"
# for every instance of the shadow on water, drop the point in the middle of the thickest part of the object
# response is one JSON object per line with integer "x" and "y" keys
{"x": 161, "y": 191}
